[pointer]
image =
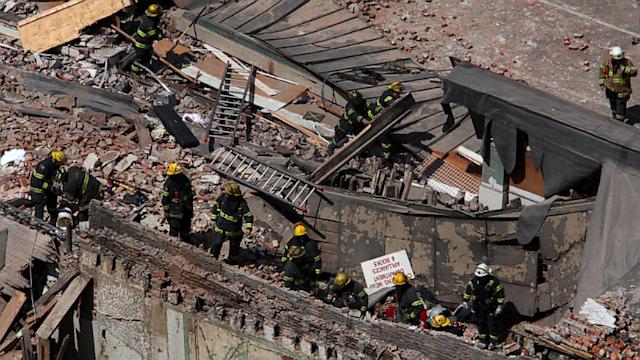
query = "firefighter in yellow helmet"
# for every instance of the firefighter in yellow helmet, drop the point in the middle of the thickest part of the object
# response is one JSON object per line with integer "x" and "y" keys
{"x": 146, "y": 33}
{"x": 390, "y": 95}
{"x": 177, "y": 200}
{"x": 411, "y": 307}
{"x": 353, "y": 120}
{"x": 229, "y": 211}
{"x": 346, "y": 292}
{"x": 41, "y": 191}
{"x": 302, "y": 261}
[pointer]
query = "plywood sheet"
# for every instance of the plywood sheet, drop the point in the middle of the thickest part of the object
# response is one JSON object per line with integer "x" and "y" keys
{"x": 64, "y": 23}
{"x": 311, "y": 10}
{"x": 318, "y": 25}
{"x": 249, "y": 13}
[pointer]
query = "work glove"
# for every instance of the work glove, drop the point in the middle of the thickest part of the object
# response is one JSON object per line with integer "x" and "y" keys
{"x": 84, "y": 226}
{"x": 622, "y": 69}
{"x": 465, "y": 305}
{"x": 499, "y": 310}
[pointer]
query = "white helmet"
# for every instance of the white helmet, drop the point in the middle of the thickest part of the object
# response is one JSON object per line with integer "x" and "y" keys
{"x": 617, "y": 53}
{"x": 482, "y": 270}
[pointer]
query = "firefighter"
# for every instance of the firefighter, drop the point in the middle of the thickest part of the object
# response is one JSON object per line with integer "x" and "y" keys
{"x": 229, "y": 211}
{"x": 411, "y": 307}
{"x": 177, "y": 200}
{"x": 391, "y": 94}
{"x": 353, "y": 120}
{"x": 441, "y": 322}
{"x": 484, "y": 296}
{"x": 42, "y": 192}
{"x": 79, "y": 186}
{"x": 615, "y": 78}
{"x": 146, "y": 33}
{"x": 346, "y": 292}
{"x": 302, "y": 261}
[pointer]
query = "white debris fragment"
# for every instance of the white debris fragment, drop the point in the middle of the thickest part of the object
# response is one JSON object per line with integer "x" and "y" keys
{"x": 13, "y": 156}
{"x": 597, "y": 314}
{"x": 193, "y": 117}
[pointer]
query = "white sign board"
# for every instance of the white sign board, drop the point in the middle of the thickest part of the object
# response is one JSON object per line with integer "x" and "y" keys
{"x": 379, "y": 272}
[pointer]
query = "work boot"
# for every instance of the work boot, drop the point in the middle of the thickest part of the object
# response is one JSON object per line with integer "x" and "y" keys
{"x": 482, "y": 345}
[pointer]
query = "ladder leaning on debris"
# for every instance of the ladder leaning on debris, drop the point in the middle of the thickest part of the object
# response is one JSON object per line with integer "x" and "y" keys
{"x": 235, "y": 93}
{"x": 263, "y": 177}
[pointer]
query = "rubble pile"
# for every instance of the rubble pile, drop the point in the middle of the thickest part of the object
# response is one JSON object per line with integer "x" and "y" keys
{"x": 582, "y": 335}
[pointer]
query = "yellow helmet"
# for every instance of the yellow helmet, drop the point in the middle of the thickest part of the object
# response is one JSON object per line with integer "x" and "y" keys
{"x": 59, "y": 156}
{"x": 300, "y": 230}
{"x": 153, "y": 10}
{"x": 174, "y": 169}
{"x": 440, "y": 321}
{"x": 400, "y": 278}
{"x": 232, "y": 189}
{"x": 341, "y": 279}
{"x": 395, "y": 86}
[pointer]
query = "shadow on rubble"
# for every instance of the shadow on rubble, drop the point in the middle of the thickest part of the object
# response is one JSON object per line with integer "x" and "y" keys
{"x": 633, "y": 115}
{"x": 255, "y": 253}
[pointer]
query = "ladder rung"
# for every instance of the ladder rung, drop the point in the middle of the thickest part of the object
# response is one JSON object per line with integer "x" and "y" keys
{"x": 293, "y": 187}
{"x": 299, "y": 193}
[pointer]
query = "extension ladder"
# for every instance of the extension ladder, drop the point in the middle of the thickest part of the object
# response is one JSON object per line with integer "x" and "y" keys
{"x": 263, "y": 177}
{"x": 235, "y": 93}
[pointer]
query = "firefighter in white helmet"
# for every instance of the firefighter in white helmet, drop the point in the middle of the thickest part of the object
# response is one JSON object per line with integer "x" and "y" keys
{"x": 615, "y": 78}
{"x": 484, "y": 296}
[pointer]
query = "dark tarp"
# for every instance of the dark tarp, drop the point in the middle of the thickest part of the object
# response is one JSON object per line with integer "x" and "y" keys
{"x": 175, "y": 126}
{"x": 612, "y": 247}
{"x": 568, "y": 142}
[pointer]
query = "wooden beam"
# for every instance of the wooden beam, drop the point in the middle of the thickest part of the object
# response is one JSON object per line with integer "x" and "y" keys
{"x": 60, "y": 284}
{"x": 27, "y": 346}
{"x": 11, "y": 312}
{"x": 66, "y": 301}
{"x": 63, "y": 347}
{"x": 37, "y": 32}
{"x": 381, "y": 124}
{"x": 32, "y": 320}
{"x": 4, "y": 236}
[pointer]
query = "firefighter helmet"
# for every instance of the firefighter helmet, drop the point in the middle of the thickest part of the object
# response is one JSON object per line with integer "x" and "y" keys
{"x": 153, "y": 10}
{"x": 400, "y": 278}
{"x": 59, "y": 156}
{"x": 340, "y": 280}
{"x": 174, "y": 169}
{"x": 440, "y": 321}
{"x": 233, "y": 189}
{"x": 617, "y": 53}
{"x": 482, "y": 270}
{"x": 354, "y": 95}
{"x": 396, "y": 86}
{"x": 300, "y": 230}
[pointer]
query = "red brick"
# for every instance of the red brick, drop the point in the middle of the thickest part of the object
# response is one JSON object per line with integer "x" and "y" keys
{"x": 159, "y": 274}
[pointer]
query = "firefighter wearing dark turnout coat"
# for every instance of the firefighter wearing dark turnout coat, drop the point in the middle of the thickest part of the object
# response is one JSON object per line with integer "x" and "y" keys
{"x": 615, "y": 77}
{"x": 484, "y": 295}
{"x": 410, "y": 305}
{"x": 390, "y": 95}
{"x": 229, "y": 211}
{"x": 41, "y": 191}
{"x": 302, "y": 261}
{"x": 79, "y": 186}
{"x": 145, "y": 35}
{"x": 177, "y": 200}
{"x": 346, "y": 292}
{"x": 353, "y": 120}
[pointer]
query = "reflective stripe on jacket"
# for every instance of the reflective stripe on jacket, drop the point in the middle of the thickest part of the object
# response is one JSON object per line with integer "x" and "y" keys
{"x": 230, "y": 211}
{"x": 616, "y": 76}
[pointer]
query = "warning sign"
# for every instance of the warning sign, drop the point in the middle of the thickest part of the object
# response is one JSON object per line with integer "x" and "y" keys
{"x": 379, "y": 272}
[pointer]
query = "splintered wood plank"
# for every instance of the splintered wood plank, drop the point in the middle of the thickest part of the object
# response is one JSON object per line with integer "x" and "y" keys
{"x": 310, "y": 11}
{"x": 335, "y": 31}
{"x": 59, "y": 285}
{"x": 10, "y": 312}
{"x": 274, "y": 15}
{"x": 249, "y": 13}
{"x": 64, "y": 23}
{"x": 66, "y": 301}
{"x": 311, "y": 27}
